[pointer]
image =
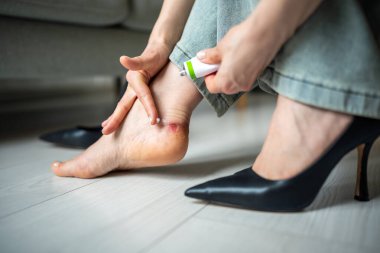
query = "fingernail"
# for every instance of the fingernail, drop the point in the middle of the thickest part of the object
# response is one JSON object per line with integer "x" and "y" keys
{"x": 158, "y": 120}
{"x": 150, "y": 119}
{"x": 201, "y": 55}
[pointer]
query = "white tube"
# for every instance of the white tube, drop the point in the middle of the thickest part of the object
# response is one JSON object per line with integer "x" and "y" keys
{"x": 194, "y": 68}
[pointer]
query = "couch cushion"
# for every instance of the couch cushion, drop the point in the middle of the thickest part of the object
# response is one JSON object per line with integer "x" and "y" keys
{"x": 90, "y": 12}
{"x": 143, "y": 15}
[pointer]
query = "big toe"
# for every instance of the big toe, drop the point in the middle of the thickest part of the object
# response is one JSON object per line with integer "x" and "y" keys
{"x": 74, "y": 168}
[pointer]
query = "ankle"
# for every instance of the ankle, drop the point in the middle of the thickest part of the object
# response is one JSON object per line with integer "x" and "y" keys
{"x": 176, "y": 97}
{"x": 297, "y": 136}
{"x": 176, "y": 116}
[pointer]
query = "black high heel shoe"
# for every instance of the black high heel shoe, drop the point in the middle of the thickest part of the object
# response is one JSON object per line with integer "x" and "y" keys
{"x": 248, "y": 190}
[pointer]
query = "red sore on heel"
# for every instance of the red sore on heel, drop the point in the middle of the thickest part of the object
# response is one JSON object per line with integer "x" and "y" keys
{"x": 173, "y": 127}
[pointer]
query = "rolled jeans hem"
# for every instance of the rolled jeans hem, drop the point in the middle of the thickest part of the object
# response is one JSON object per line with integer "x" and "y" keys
{"x": 329, "y": 98}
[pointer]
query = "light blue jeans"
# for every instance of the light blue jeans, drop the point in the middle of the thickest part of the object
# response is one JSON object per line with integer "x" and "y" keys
{"x": 331, "y": 62}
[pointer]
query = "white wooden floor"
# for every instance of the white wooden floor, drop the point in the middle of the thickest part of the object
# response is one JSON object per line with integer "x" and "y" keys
{"x": 146, "y": 211}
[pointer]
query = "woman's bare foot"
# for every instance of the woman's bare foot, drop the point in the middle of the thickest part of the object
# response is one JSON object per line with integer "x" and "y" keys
{"x": 137, "y": 143}
{"x": 298, "y": 136}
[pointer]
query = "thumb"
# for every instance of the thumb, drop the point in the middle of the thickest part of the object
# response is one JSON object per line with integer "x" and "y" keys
{"x": 141, "y": 62}
{"x": 210, "y": 56}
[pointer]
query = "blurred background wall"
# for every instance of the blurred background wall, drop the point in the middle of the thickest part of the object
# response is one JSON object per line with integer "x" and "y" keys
{"x": 59, "y": 59}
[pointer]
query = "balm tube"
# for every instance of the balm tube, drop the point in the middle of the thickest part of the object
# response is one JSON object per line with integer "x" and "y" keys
{"x": 194, "y": 68}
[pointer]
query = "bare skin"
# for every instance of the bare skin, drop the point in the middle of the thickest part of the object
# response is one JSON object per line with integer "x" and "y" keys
{"x": 298, "y": 135}
{"x": 137, "y": 143}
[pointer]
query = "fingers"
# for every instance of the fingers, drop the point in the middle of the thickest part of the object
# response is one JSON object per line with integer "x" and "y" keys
{"x": 215, "y": 85}
{"x": 211, "y": 83}
{"x": 220, "y": 82}
{"x": 122, "y": 109}
{"x": 217, "y": 82}
{"x": 138, "y": 79}
{"x": 104, "y": 123}
{"x": 139, "y": 82}
{"x": 210, "y": 56}
{"x": 138, "y": 88}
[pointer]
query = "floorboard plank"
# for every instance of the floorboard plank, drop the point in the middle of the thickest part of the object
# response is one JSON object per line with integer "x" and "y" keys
{"x": 140, "y": 211}
{"x": 203, "y": 235}
{"x": 334, "y": 215}
{"x": 32, "y": 182}
{"x": 125, "y": 211}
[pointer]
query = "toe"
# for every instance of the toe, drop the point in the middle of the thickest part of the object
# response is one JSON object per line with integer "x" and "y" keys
{"x": 73, "y": 168}
{"x": 56, "y": 168}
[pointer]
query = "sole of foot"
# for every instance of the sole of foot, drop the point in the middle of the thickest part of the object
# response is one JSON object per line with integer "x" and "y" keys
{"x": 137, "y": 143}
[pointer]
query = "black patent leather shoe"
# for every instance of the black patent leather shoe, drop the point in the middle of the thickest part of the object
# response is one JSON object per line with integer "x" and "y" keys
{"x": 248, "y": 190}
{"x": 79, "y": 137}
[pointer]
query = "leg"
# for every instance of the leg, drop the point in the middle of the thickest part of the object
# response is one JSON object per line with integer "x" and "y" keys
{"x": 327, "y": 82}
{"x": 138, "y": 144}
{"x": 298, "y": 135}
{"x": 313, "y": 68}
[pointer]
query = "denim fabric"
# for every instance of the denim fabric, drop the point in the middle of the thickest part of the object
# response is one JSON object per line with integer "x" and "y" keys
{"x": 201, "y": 32}
{"x": 332, "y": 61}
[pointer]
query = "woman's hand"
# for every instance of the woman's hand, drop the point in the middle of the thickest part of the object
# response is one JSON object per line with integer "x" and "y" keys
{"x": 248, "y": 48}
{"x": 165, "y": 34}
{"x": 242, "y": 56}
{"x": 141, "y": 69}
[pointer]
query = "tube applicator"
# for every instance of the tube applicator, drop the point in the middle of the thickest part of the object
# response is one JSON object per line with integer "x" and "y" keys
{"x": 194, "y": 68}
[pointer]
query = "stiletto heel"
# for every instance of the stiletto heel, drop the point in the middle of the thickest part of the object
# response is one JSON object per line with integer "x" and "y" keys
{"x": 361, "y": 189}
{"x": 248, "y": 190}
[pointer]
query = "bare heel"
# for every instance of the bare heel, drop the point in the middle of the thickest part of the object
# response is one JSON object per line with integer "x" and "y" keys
{"x": 361, "y": 189}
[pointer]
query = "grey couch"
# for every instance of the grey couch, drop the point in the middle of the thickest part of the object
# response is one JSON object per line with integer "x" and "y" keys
{"x": 71, "y": 38}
